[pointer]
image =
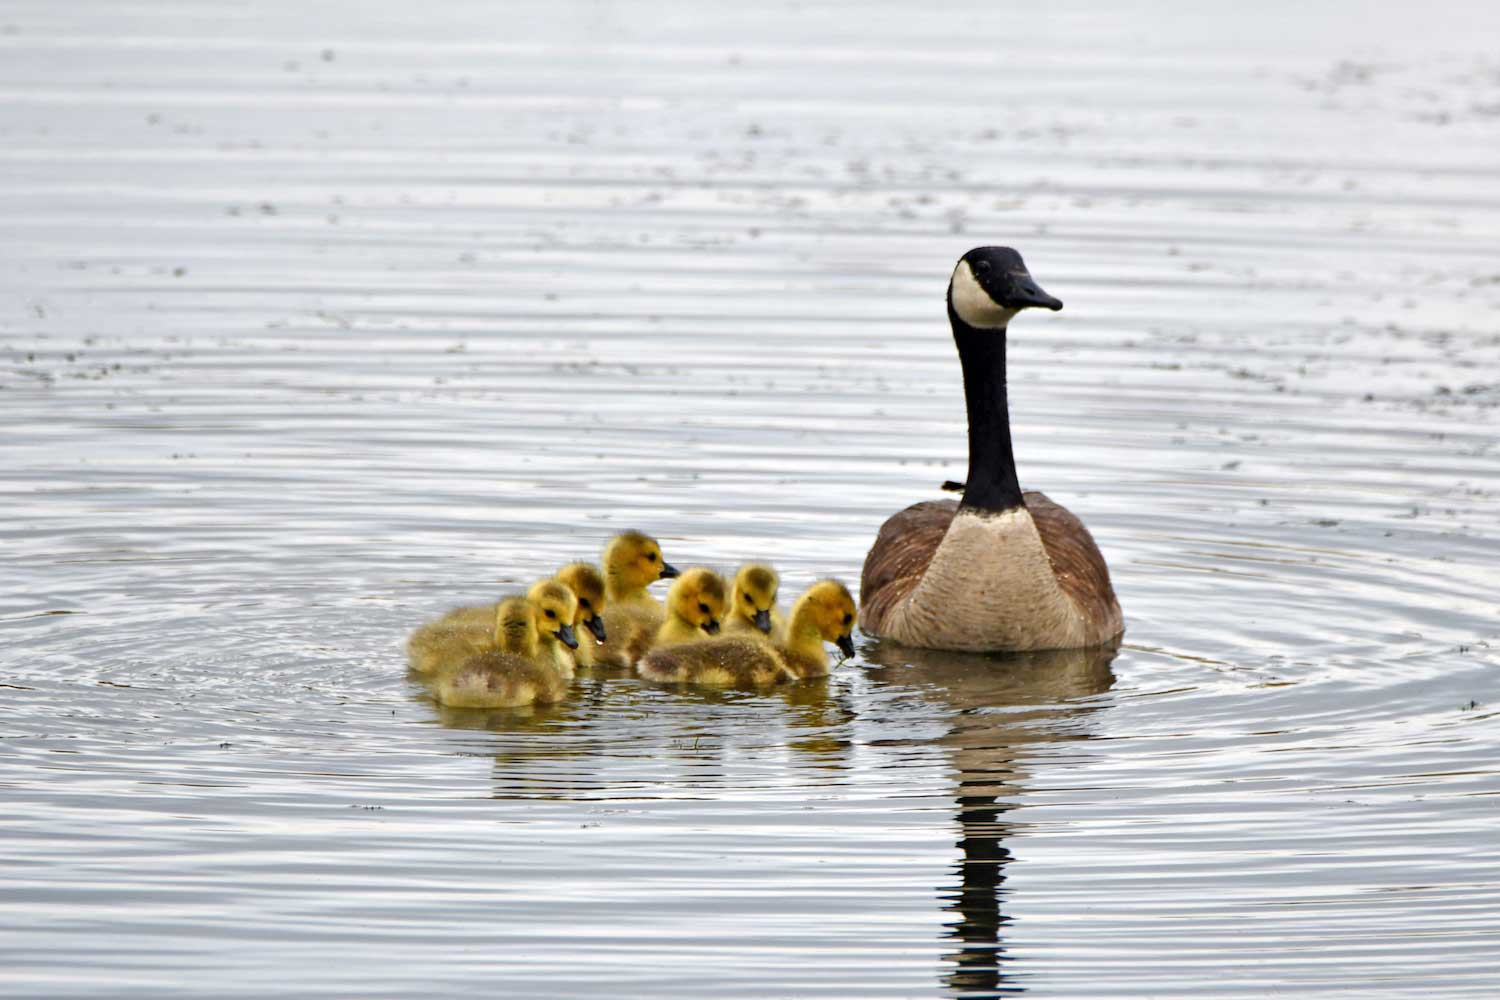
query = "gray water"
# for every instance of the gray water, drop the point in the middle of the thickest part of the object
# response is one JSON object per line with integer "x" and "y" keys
{"x": 317, "y": 319}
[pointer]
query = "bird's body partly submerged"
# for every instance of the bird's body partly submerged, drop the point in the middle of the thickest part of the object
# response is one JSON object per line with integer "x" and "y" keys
{"x": 1002, "y": 569}
{"x": 514, "y": 673}
{"x": 825, "y": 613}
{"x": 632, "y": 562}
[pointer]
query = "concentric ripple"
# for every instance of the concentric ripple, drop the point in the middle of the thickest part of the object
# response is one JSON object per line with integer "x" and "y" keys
{"x": 316, "y": 321}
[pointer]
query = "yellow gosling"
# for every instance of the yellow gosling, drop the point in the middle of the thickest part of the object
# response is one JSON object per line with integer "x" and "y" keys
{"x": 695, "y": 607}
{"x": 824, "y": 613}
{"x": 452, "y": 639}
{"x": 632, "y": 562}
{"x": 556, "y": 607}
{"x": 752, "y": 603}
{"x": 509, "y": 676}
{"x": 587, "y": 584}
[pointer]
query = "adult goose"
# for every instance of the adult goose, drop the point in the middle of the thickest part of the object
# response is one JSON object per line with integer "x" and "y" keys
{"x": 1002, "y": 569}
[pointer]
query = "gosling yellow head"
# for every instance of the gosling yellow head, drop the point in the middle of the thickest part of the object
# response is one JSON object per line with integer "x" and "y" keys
{"x": 754, "y": 598}
{"x": 698, "y": 598}
{"x": 587, "y": 584}
{"x": 516, "y": 626}
{"x": 826, "y": 610}
{"x": 632, "y": 562}
{"x": 555, "y": 609}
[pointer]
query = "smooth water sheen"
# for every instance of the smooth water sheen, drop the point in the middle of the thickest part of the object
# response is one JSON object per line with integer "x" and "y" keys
{"x": 316, "y": 319}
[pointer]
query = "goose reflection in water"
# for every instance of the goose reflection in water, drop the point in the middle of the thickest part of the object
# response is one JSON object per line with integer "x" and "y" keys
{"x": 994, "y": 711}
{"x": 1001, "y": 704}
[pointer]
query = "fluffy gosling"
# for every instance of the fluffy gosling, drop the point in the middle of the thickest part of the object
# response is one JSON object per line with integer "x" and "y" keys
{"x": 752, "y": 604}
{"x": 824, "y": 613}
{"x": 695, "y": 607}
{"x": 632, "y": 562}
{"x": 511, "y": 675}
{"x": 556, "y": 608}
{"x": 587, "y": 584}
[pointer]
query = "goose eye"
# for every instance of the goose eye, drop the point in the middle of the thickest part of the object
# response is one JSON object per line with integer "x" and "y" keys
{"x": 583, "y": 602}
{"x": 651, "y": 557}
{"x": 551, "y": 613}
{"x": 749, "y": 598}
{"x": 982, "y": 265}
{"x": 703, "y": 607}
{"x": 848, "y": 618}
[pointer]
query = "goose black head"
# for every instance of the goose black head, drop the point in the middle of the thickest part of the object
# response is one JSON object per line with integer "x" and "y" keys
{"x": 990, "y": 285}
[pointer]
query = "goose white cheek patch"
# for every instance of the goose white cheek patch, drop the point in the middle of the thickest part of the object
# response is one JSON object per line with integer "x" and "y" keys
{"x": 974, "y": 305}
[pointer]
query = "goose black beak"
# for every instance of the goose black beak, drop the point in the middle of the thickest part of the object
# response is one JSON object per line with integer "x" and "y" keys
{"x": 566, "y": 637}
{"x": 596, "y": 626}
{"x": 668, "y": 570}
{"x": 1024, "y": 293}
{"x": 846, "y": 645}
{"x": 711, "y": 626}
{"x": 763, "y": 621}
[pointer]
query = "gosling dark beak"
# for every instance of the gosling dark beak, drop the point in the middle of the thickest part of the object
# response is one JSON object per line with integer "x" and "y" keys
{"x": 596, "y": 626}
{"x": 711, "y": 626}
{"x": 763, "y": 621}
{"x": 1024, "y": 293}
{"x": 566, "y": 637}
{"x": 668, "y": 570}
{"x": 846, "y": 645}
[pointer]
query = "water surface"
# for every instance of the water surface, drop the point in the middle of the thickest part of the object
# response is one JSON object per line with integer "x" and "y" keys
{"x": 316, "y": 322}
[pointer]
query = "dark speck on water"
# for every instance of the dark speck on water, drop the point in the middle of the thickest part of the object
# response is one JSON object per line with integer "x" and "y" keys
{"x": 603, "y": 266}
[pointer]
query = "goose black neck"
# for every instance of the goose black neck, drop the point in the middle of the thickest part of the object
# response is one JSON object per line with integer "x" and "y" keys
{"x": 992, "y": 484}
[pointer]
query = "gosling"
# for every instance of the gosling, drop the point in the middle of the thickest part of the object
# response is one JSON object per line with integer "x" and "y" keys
{"x": 461, "y": 633}
{"x": 695, "y": 607}
{"x": 824, "y": 613}
{"x": 752, "y": 604}
{"x": 632, "y": 562}
{"x": 510, "y": 676}
{"x": 587, "y": 584}
{"x": 557, "y": 607}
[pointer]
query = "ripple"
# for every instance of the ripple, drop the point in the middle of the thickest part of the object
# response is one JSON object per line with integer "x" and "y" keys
{"x": 315, "y": 329}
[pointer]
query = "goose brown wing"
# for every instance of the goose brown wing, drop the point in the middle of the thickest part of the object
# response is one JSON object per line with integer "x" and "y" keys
{"x": 1077, "y": 564}
{"x": 901, "y": 553}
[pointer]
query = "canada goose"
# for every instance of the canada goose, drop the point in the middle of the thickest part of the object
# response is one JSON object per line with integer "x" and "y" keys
{"x": 587, "y": 584}
{"x": 752, "y": 602}
{"x": 513, "y": 673}
{"x": 632, "y": 562}
{"x": 695, "y": 607}
{"x": 824, "y": 613}
{"x": 1001, "y": 569}
{"x": 556, "y": 608}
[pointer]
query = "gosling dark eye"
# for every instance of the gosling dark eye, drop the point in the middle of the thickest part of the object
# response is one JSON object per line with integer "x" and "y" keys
{"x": 651, "y": 557}
{"x": 703, "y": 607}
{"x": 848, "y": 619}
{"x": 551, "y": 614}
{"x": 749, "y": 598}
{"x": 583, "y": 602}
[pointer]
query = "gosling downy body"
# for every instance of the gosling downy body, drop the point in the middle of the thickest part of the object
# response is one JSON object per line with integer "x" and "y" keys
{"x": 1002, "y": 569}
{"x": 632, "y": 562}
{"x": 824, "y": 613}
{"x": 752, "y": 603}
{"x": 695, "y": 607}
{"x": 510, "y": 675}
{"x": 587, "y": 584}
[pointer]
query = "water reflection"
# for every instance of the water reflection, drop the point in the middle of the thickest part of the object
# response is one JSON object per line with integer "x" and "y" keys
{"x": 993, "y": 711}
{"x": 999, "y": 705}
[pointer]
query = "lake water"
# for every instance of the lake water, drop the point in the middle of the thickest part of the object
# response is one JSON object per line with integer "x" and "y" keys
{"x": 318, "y": 319}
